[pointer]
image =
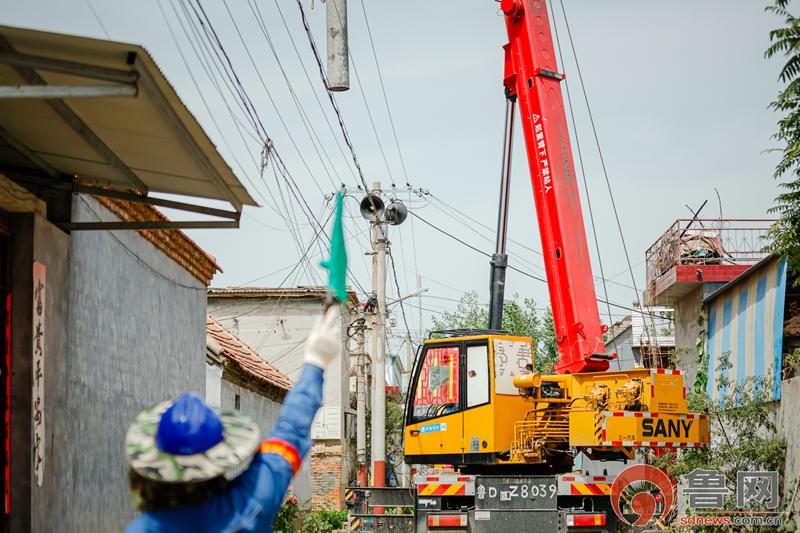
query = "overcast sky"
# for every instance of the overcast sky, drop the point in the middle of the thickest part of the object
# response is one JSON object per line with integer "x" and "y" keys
{"x": 679, "y": 91}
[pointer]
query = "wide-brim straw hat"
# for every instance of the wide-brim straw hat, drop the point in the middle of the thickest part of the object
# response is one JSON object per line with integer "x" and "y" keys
{"x": 228, "y": 458}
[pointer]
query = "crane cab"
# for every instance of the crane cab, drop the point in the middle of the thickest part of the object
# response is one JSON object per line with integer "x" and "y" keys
{"x": 462, "y": 403}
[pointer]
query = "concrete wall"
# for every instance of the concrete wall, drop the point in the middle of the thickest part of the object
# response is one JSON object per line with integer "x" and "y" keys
{"x": 130, "y": 334}
{"x": 627, "y": 355}
{"x": 687, "y": 309}
{"x": 788, "y": 424}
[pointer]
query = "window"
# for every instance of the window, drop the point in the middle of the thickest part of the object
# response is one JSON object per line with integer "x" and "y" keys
{"x": 437, "y": 389}
{"x": 477, "y": 375}
{"x": 237, "y": 402}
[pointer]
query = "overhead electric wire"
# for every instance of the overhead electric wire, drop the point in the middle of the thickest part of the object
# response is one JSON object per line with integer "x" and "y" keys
{"x": 332, "y": 99}
{"x": 286, "y": 278}
{"x": 513, "y": 241}
{"x": 291, "y": 225}
{"x": 274, "y": 104}
{"x": 97, "y": 19}
{"x": 205, "y": 57}
{"x": 511, "y": 267}
{"x": 586, "y": 187}
{"x": 602, "y": 159}
{"x": 211, "y": 115}
{"x": 302, "y": 64}
{"x": 366, "y": 104}
{"x": 312, "y": 134}
{"x": 227, "y": 66}
{"x": 271, "y": 153}
{"x": 383, "y": 91}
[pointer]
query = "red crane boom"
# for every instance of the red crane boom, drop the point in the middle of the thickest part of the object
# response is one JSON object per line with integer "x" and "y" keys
{"x": 532, "y": 77}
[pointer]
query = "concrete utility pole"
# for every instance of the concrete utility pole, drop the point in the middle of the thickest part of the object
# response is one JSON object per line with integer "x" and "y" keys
{"x": 380, "y": 233}
{"x": 338, "y": 59}
{"x": 419, "y": 310}
{"x": 361, "y": 405}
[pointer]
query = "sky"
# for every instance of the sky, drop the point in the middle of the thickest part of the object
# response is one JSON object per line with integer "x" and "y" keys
{"x": 679, "y": 92}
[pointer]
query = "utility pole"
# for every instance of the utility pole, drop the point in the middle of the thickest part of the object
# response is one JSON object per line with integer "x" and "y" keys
{"x": 380, "y": 233}
{"x": 361, "y": 404}
{"x": 338, "y": 58}
{"x": 419, "y": 309}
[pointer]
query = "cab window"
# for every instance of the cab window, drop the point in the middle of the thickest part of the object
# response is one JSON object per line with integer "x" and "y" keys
{"x": 477, "y": 375}
{"x": 437, "y": 388}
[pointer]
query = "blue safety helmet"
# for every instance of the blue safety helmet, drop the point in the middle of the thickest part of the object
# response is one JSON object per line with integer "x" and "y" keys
{"x": 188, "y": 427}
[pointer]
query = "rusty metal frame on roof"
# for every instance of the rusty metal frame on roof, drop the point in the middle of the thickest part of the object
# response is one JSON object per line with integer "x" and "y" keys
{"x": 140, "y": 77}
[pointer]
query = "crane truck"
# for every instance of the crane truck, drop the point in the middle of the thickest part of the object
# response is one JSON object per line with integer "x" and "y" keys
{"x": 510, "y": 433}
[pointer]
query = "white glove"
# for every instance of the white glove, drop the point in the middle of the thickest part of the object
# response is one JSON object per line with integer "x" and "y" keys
{"x": 325, "y": 339}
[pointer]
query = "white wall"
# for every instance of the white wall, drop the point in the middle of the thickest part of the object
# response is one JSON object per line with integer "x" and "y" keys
{"x": 277, "y": 329}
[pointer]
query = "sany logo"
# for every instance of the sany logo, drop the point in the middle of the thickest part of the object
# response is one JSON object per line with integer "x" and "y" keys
{"x": 656, "y": 493}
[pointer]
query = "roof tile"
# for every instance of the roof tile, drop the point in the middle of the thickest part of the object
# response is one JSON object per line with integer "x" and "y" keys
{"x": 245, "y": 357}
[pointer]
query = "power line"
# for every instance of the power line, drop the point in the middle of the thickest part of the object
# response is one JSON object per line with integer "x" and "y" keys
{"x": 211, "y": 114}
{"x": 586, "y": 188}
{"x": 383, "y": 90}
{"x": 518, "y": 243}
{"x": 600, "y": 154}
{"x": 312, "y": 134}
{"x": 269, "y": 152}
{"x": 397, "y": 286}
{"x": 237, "y": 96}
{"x": 335, "y": 137}
{"x": 97, "y": 18}
{"x": 330, "y": 94}
{"x": 524, "y": 273}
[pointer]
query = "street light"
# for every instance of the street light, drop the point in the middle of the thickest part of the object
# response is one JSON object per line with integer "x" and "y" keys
{"x": 409, "y": 295}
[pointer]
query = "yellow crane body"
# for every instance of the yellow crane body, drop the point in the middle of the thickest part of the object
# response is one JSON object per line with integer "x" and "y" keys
{"x": 474, "y": 400}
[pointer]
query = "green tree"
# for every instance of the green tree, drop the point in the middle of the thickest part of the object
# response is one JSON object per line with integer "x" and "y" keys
{"x": 519, "y": 318}
{"x": 784, "y": 236}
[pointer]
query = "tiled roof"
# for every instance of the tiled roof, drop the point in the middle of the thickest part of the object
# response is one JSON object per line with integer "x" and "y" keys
{"x": 267, "y": 292}
{"x": 174, "y": 243}
{"x": 244, "y": 357}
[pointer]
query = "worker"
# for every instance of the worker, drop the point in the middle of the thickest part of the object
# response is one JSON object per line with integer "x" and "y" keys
{"x": 194, "y": 469}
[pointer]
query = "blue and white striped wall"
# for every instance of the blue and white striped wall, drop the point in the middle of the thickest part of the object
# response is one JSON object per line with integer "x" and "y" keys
{"x": 745, "y": 321}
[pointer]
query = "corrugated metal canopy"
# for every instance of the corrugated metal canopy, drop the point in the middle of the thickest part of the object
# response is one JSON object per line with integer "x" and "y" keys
{"x": 148, "y": 142}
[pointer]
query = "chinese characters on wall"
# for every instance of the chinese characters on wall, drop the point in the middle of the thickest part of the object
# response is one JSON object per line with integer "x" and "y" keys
{"x": 39, "y": 285}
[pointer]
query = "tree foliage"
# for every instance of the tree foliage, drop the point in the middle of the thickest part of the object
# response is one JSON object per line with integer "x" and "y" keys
{"x": 520, "y": 318}
{"x": 785, "y": 41}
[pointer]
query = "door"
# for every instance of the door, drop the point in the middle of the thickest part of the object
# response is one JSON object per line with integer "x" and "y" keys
{"x": 434, "y": 426}
{"x": 478, "y": 422}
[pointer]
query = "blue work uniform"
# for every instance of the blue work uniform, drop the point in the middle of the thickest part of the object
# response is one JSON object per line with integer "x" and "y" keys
{"x": 254, "y": 498}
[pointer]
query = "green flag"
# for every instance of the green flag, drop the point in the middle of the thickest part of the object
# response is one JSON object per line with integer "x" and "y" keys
{"x": 337, "y": 264}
